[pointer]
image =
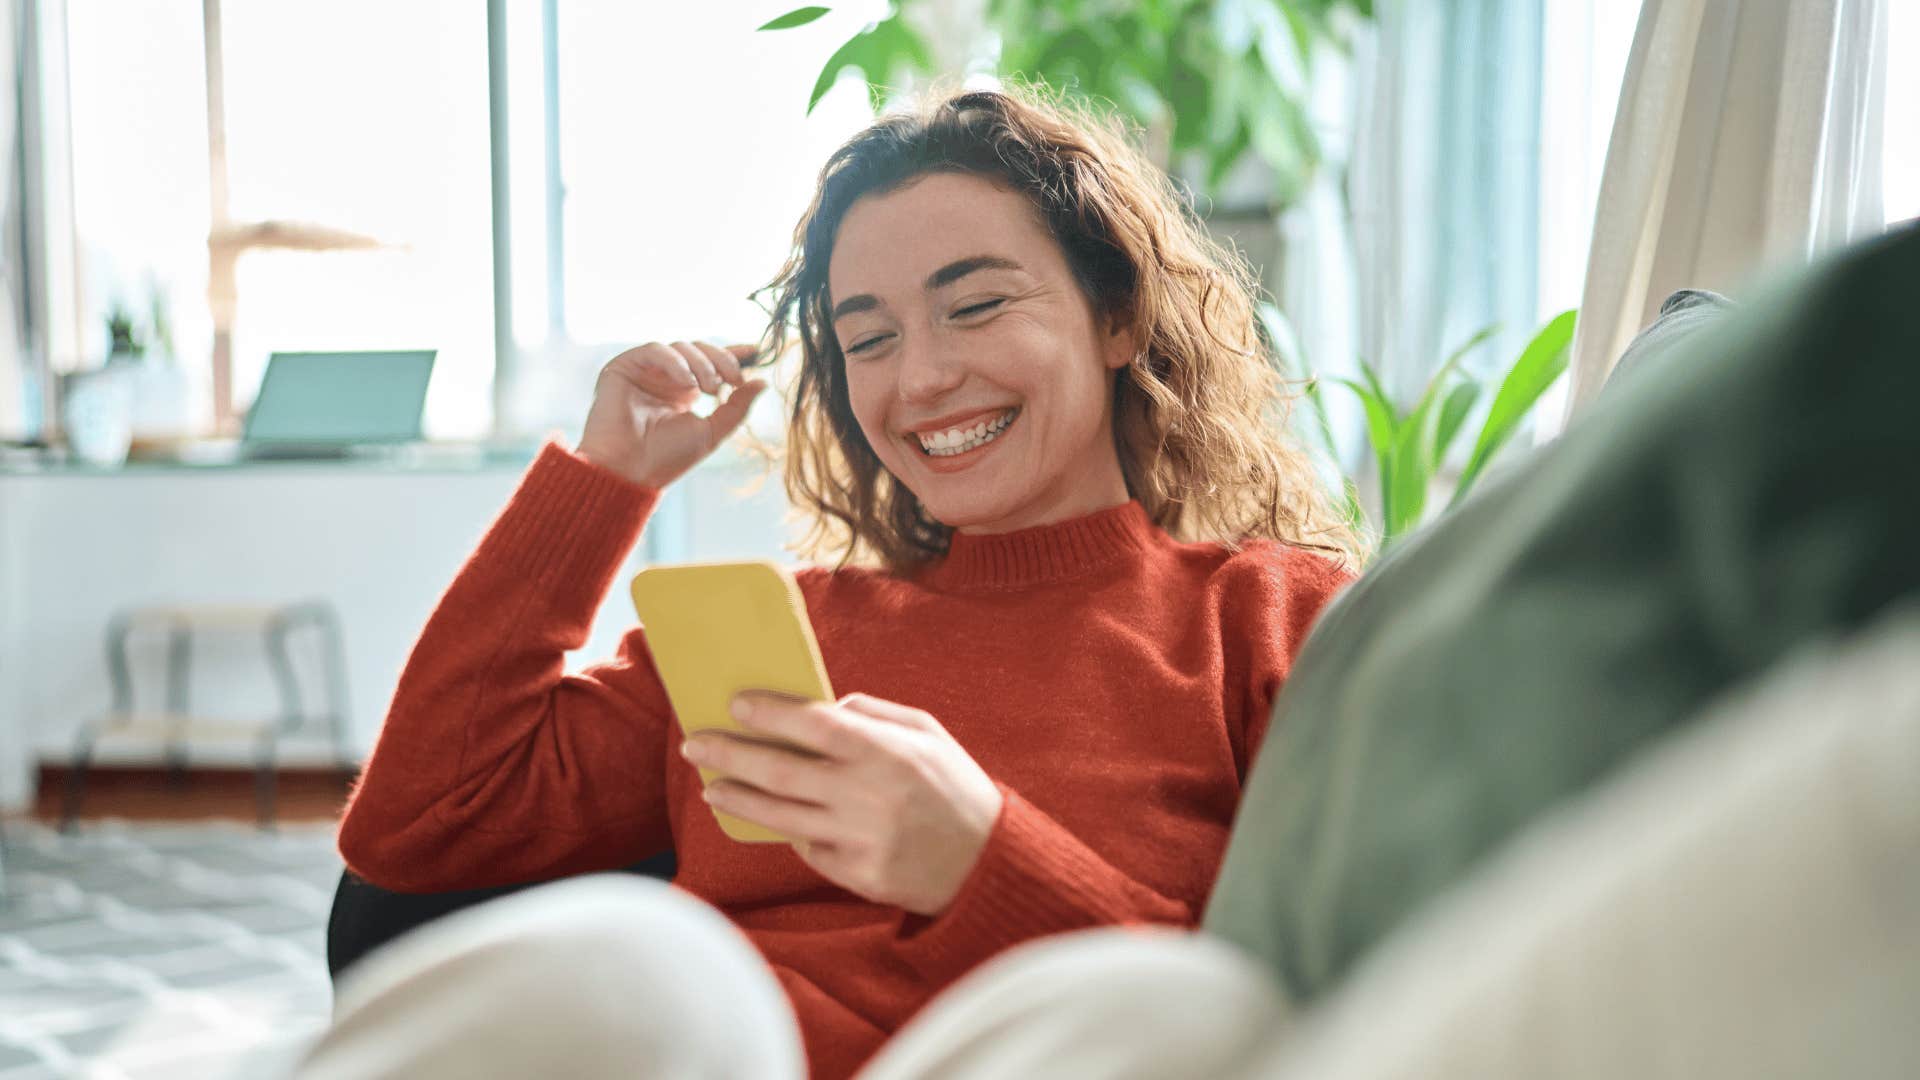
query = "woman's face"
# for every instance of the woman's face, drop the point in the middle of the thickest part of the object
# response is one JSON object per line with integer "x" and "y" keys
{"x": 977, "y": 368}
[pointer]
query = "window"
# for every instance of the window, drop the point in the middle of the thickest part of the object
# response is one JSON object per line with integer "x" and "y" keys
{"x": 684, "y": 155}
{"x": 379, "y": 134}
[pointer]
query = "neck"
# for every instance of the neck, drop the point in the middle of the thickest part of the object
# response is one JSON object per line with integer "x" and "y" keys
{"x": 1041, "y": 553}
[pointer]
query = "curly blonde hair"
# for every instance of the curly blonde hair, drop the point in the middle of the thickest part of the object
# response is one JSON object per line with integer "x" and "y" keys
{"x": 1200, "y": 412}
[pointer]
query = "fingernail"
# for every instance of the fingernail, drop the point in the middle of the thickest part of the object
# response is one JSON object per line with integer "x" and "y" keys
{"x": 741, "y": 709}
{"x": 689, "y": 750}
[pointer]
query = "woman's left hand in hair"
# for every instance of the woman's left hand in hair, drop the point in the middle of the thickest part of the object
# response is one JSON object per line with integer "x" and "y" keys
{"x": 880, "y": 799}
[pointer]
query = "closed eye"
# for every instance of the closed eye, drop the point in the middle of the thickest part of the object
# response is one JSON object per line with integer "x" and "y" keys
{"x": 863, "y": 346}
{"x": 980, "y": 308}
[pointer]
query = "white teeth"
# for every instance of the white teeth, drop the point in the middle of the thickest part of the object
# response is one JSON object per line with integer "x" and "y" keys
{"x": 959, "y": 441}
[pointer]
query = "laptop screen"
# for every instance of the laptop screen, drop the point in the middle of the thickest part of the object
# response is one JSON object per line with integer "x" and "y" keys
{"x": 340, "y": 397}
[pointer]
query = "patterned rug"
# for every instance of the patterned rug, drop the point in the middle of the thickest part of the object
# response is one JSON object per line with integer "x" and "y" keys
{"x": 162, "y": 950}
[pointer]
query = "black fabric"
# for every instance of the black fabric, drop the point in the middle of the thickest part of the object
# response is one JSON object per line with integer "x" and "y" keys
{"x": 365, "y": 917}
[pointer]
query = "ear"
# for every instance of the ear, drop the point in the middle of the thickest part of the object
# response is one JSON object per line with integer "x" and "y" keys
{"x": 1122, "y": 343}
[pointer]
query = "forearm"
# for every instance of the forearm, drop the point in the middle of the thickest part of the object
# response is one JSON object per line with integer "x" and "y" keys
{"x": 492, "y": 762}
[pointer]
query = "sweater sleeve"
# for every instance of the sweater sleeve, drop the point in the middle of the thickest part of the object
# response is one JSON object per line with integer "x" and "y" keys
{"x": 1273, "y": 595}
{"x": 1033, "y": 878}
{"x": 494, "y": 766}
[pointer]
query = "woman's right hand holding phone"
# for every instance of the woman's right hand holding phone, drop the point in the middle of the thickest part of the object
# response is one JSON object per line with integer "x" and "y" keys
{"x": 642, "y": 425}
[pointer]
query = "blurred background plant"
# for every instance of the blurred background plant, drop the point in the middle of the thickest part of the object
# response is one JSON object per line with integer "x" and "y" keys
{"x": 1412, "y": 445}
{"x": 1211, "y": 82}
{"x": 133, "y": 335}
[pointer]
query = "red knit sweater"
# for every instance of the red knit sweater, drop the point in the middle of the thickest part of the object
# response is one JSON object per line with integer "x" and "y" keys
{"x": 1113, "y": 682}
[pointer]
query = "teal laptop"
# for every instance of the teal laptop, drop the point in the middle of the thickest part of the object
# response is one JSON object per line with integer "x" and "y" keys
{"x": 327, "y": 404}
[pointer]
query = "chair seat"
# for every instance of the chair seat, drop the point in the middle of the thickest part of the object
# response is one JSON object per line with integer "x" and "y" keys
{"x": 169, "y": 725}
{"x": 176, "y": 725}
{"x": 209, "y": 616}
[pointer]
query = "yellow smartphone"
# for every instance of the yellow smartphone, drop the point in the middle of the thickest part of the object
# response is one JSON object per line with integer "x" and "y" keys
{"x": 716, "y": 629}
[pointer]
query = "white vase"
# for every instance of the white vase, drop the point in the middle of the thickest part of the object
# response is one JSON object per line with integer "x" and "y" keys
{"x": 97, "y": 413}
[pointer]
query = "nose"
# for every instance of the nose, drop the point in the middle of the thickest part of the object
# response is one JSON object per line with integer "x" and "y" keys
{"x": 929, "y": 369}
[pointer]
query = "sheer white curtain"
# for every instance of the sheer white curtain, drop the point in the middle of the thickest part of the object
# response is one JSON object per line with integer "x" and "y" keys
{"x": 1748, "y": 135}
{"x": 1445, "y": 184}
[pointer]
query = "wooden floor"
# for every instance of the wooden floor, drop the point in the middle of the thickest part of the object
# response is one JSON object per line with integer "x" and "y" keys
{"x": 200, "y": 794}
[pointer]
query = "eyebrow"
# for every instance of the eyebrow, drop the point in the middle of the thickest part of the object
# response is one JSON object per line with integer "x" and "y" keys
{"x": 946, "y": 275}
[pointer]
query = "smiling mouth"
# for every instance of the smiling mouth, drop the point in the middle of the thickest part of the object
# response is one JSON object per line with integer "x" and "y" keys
{"x": 949, "y": 444}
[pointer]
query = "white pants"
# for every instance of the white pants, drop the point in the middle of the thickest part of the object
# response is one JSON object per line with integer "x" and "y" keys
{"x": 1742, "y": 902}
{"x": 618, "y": 976}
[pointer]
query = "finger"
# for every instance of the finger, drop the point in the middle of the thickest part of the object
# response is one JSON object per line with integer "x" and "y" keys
{"x": 729, "y": 414}
{"x": 655, "y": 367}
{"x": 745, "y": 355}
{"x": 816, "y": 725}
{"x": 795, "y": 820}
{"x": 701, "y": 367}
{"x": 783, "y": 771}
{"x": 723, "y": 362}
{"x": 891, "y": 711}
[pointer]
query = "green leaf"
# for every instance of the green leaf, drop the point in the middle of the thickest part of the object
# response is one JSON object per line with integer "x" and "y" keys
{"x": 846, "y": 56}
{"x": 876, "y": 52}
{"x": 1071, "y": 57}
{"x": 1381, "y": 423}
{"x": 1302, "y": 29}
{"x": 1540, "y": 363}
{"x": 796, "y": 17}
{"x": 1379, "y": 389}
{"x": 1417, "y": 450}
{"x": 1223, "y": 157}
{"x": 1383, "y": 434}
{"x": 1223, "y": 100}
{"x": 1453, "y": 413}
{"x": 1404, "y": 486}
{"x": 1431, "y": 397}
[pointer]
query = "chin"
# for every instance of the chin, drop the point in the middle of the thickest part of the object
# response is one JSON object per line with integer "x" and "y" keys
{"x": 961, "y": 510}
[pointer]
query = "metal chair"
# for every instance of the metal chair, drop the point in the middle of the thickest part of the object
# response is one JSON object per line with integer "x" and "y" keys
{"x": 176, "y": 724}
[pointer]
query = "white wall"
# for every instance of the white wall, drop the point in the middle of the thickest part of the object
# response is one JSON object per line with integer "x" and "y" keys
{"x": 380, "y": 544}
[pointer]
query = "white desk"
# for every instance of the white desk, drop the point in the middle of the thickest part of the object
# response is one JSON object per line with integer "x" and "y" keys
{"x": 380, "y": 542}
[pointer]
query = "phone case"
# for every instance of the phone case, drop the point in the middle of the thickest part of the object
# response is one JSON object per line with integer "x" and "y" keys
{"x": 716, "y": 629}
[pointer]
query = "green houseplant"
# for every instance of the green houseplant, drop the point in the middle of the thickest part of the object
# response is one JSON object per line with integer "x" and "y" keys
{"x": 1220, "y": 80}
{"x": 1411, "y": 444}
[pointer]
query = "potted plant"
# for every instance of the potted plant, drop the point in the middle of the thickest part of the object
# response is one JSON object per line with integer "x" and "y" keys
{"x": 139, "y": 394}
{"x": 1413, "y": 444}
{"x": 1213, "y": 83}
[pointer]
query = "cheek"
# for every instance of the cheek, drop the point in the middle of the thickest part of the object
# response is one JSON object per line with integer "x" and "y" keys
{"x": 869, "y": 400}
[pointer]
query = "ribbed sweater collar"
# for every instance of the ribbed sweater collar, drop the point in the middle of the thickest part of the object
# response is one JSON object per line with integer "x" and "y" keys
{"x": 1043, "y": 553}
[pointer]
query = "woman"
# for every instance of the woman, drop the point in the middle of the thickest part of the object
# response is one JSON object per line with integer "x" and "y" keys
{"x": 1034, "y": 421}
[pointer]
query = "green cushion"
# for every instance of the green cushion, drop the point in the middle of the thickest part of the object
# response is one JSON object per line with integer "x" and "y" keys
{"x": 1753, "y": 491}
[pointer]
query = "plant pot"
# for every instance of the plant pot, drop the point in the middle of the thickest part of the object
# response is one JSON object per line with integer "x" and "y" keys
{"x": 97, "y": 414}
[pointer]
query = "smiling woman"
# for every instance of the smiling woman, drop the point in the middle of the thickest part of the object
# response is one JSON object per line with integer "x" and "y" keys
{"x": 1021, "y": 251}
{"x": 939, "y": 372}
{"x": 1075, "y": 559}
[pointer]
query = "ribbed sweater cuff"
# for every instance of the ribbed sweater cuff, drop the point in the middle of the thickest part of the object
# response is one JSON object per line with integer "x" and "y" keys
{"x": 1032, "y": 879}
{"x": 572, "y": 515}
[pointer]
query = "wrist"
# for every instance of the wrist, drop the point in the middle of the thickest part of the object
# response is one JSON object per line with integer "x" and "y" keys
{"x": 969, "y": 853}
{"x": 619, "y": 465}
